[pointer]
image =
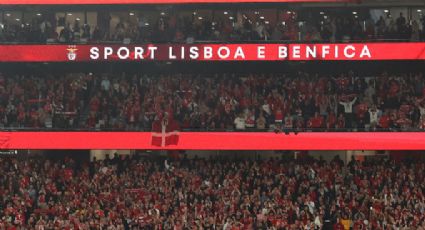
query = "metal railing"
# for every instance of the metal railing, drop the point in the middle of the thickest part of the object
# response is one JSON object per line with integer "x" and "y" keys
{"x": 113, "y": 42}
{"x": 283, "y": 131}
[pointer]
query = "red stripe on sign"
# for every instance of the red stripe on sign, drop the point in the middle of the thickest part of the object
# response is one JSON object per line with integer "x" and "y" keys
{"x": 216, "y": 141}
{"x": 213, "y": 52}
{"x": 99, "y": 2}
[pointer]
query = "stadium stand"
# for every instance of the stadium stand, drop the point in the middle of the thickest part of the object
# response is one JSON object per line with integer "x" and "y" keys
{"x": 215, "y": 102}
{"x": 150, "y": 193}
{"x": 159, "y": 97}
{"x": 246, "y": 25}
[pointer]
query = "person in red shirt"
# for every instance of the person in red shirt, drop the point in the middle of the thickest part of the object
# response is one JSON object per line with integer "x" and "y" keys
{"x": 19, "y": 219}
{"x": 278, "y": 116}
{"x": 361, "y": 112}
{"x": 359, "y": 225}
{"x": 340, "y": 122}
{"x": 403, "y": 122}
{"x": 94, "y": 104}
{"x": 316, "y": 122}
{"x": 331, "y": 120}
{"x": 384, "y": 121}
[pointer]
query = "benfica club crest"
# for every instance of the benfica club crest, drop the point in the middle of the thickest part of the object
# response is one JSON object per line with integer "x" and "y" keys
{"x": 72, "y": 55}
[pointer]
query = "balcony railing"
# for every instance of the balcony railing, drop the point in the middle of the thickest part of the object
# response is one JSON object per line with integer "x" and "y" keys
{"x": 112, "y": 42}
{"x": 282, "y": 131}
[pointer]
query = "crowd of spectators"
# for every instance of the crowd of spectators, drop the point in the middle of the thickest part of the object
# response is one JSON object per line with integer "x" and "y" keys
{"x": 43, "y": 102}
{"x": 149, "y": 193}
{"x": 189, "y": 29}
{"x": 242, "y": 102}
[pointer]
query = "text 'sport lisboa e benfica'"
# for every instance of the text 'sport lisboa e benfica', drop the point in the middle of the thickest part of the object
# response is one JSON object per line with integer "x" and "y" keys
{"x": 231, "y": 52}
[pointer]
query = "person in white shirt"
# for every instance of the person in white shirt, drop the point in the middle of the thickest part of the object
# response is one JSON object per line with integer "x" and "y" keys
{"x": 105, "y": 84}
{"x": 261, "y": 30}
{"x": 374, "y": 115}
{"x": 240, "y": 123}
{"x": 249, "y": 118}
{"x": 348, "y": 105}
{"x": 266, "y": 108}
{"x": 228, "y": 224}
{"x": 348, "y": 111}
{"x": 422, "y": 110}
{"x": 370, "y": 92}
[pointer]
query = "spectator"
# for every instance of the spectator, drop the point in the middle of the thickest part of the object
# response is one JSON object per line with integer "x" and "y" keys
{"x": 261, "y": 122}
{"x": 348, "y": 110}
{"x": 316, "y": 122}
{"x": 374, "y": 117}
{"x": 401, "y": 24}
{"x": 105, "y": 84}
{"x": 415, "y": 32}
{"x": 240, "y": 122}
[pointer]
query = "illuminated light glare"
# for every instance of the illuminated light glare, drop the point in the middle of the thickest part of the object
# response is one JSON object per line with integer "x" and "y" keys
{"x": 256, "y": 12}
{"x": 162, "y": 13}
{"x": 38, "y": 14}
{"x": 267, "y": 22}
{"x": 131, "y": 14}
{"x": 200, "y": 18}
{"x": 354, "y": 12}
{"x": 231, "y": 18}
{"x": 194, "y": 13}
{"x": 78, "y": 19}
{"x": 386, "y": 11}
{"x": 17, "y": 19}
{"x": 8, "y": 15}
{"x": 322, "y": 13}
{"x": 225, "y": 12}
{"x": 69, "y": 14}
{"x": 419, "y": 10}
{"x": 262, "y": 17}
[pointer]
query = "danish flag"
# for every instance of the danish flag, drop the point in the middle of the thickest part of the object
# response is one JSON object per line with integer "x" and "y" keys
{"x": 165, "y": 133}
